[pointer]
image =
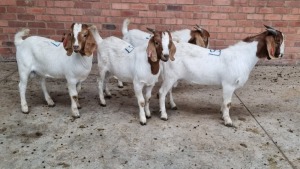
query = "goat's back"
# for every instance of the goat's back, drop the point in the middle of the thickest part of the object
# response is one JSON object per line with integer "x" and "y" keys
{"x": 136, "y": 37}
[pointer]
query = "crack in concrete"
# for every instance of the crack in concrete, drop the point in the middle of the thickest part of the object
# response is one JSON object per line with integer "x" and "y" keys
{"x": 283, "y": 154}
{"x": 7, "y": 76}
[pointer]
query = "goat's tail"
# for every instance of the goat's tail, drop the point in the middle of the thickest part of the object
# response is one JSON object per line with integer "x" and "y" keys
{"x": 19, "y": 35}
{"x": 96, "y": 34}
{"x": 125, "y": 26}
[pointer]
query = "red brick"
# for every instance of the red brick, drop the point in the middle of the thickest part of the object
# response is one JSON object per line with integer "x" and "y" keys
{"x": 35, "y": 10}
{"x": 255, "y": 16}
{"x": 244, "y": 23}
{"x": 210, "y": 9}
{"x": 6, "y": 51}
{"x": 280, "y": 23}
{"x": 185, "y": 2}
{"x": 92, "y": 12}
{"x": 218, "y": 16}
{"x": 170, "y": 21}
{"x": 139, "y": 6}
{"x": 3, "y": 23}
{"x": 295, "y": 11}
{"x": 46, "y": 32}
{"x": 203, "y": 2}
{"x": 149, "y": 1}
{"x": 200, "y": 15}
{"x": 8, "y": 16}
{"x": 56, "y": 25}
{"x": 16, "y": 24}
{"x": 25, "y": 3}
{"x": 281, "y": 10}
{"x": 239, "y": 16}
{"x": 291, "y": 17}
{"x": 221, "y": 2}
{"x": 264, "y": 10}
{"x": 85, "y": 5}
{"x": 129, "y": 13}
{"x": 147, "y": 14}
{"x": 294, "y": 24}
{"x": 275, "y": 3}
{"x": 120, "y": 6}
{"x": 54, "y": 11}
{"x": 7, "y": 2}
{"x": 297, "y": 44}
{"x": 159, "y": 7}
{"x": 292, "y": 4}
{"x": 192, "y": 8}
{"x": 25, "y": 17}
{"x": 184, "y": 15}
{"x": 82, "y": 19}
{"x": 69, "y": 4}
{"x": 209, "y": 22}
{"x": 2, "y": 9}
{"x": 240, "y": 3}
{"x": 75, "y": 11}
{"x": 64, "y": 18}
{"x": 14, "y": 9}
{"x": 100, "y": 5}
{"x": 41, "y": 3}
{"x": 229, "y": 23}
{"x": 36, "y": 25}
{"x": 228, "y": 9}
{"x": 273, "y": 17}
{"x": 258, "y": 3}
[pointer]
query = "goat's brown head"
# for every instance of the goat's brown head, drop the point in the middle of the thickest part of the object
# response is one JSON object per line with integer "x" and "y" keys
{"x": 200, "y": 37}
{"x": 80, "y": 39}
{"x": 160, "y": 47}
{"x": 270, "y": 43}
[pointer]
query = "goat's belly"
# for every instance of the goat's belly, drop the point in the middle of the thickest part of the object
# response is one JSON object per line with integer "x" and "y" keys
{"x": 204, "y": 79}
{"x": 48, "y": 73}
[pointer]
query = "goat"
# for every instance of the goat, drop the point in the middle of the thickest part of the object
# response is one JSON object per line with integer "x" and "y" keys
{"x": 71, "y": 59}
{"x": 228, "y": 67}
{"x": 140, "y": 65}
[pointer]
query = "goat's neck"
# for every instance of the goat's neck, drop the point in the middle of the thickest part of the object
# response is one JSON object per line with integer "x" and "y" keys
{"x": 84, "y": 61}
{"x": 245, "y": 54}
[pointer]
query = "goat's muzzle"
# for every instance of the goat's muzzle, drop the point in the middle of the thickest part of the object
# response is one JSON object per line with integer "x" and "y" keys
{"x": 164, "y": 58}
{"x": 76, "y": 48}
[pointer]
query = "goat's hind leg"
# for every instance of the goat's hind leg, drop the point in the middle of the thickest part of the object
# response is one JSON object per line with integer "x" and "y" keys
{"x": 227, "y": 95}
{"x": 101, "y": 85}
{"x": 165, "y": 87}
{"x": 48, "y": 99}
{"x": 106, "y": 89}
{"x": 24, "y": 75}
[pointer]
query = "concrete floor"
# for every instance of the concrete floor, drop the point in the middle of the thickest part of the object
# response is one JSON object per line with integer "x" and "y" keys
{"x": 265, "y": 112}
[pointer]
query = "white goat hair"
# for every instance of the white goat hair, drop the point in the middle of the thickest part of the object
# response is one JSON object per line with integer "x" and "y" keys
{"x": 48, "y": 58}
{"x": 229, "y": 67}
{"x": 118, "y": 58}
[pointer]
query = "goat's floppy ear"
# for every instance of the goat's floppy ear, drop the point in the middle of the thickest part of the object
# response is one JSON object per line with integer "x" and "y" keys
{"x": 151, "y": 50}
{"x": 172, "y": 48}
{"x": 271, "y": 46}
{"x": 199, "y": 39}
{"x": 67, "y": 42}
{"x": 90, "y": 44}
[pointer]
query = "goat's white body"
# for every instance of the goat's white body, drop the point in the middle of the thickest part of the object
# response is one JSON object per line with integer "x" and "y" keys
{"x": 47, "y": 58}
{"x": 129, "y": 67}
{"x": 195, "y": 64}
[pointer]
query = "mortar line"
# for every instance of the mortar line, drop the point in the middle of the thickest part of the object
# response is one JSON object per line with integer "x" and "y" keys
{"x": 265, "y": 131}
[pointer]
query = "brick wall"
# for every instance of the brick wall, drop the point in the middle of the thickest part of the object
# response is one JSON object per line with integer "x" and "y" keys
{"x": 227, "y": 20}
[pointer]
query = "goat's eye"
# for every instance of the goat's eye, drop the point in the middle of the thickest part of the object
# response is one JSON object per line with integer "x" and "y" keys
{"x": 156, "y": 43}
{"x": 85, "y": 35}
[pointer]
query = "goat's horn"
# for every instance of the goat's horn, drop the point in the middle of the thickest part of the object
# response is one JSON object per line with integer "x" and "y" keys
{"x": 269, "y": 27}
{"x": 151, "y": 30}
{"x": 272, "y": 31}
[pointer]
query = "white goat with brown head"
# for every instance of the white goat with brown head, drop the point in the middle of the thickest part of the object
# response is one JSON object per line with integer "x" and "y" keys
{"x": 228, "y": 67}
{"x": 139, "y": 65}
{"x": 48, "y": 58}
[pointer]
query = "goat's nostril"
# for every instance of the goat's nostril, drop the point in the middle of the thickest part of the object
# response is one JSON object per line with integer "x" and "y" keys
{"x": 75, "y": 47}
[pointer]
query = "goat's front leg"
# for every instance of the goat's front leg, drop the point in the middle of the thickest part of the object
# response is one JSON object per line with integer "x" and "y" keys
{"x": 165, "y": 87}
{"x": 138, "y": 90}
{"x": 227, "y": 95}
{"x": 48, "y": 99}
{"x": 148, "y": 96}
{"x": 101, "y": 81}
{"x": 106, "y": 89}
{"x": 74, "y": 99}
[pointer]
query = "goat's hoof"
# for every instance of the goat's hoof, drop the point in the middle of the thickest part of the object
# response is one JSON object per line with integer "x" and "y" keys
{"x": 108, "y": 96}
{"x": 25, "y": 112}
{"x": 174, "y": 108}
{"x": 148, "y": 117}
{"x": 143, "y": 123}
{"x": 79, "y": 107}
{"x": 229, "y": 124}
{"x": 51, "y": 105}
{"x": 164, "y": 118}
{"x": 120, "y": 87}
{"x": 103, "y": 105}
{"x": 76, "y": 116}
{"x": 157, "y": 95}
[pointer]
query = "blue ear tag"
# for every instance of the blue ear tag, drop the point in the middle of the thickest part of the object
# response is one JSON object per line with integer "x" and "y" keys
{"x": 214, "y": 52}
{"x": 55, "y": 43}
{"x": 149, "y": 37}
{"x": 129, "y": 48}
